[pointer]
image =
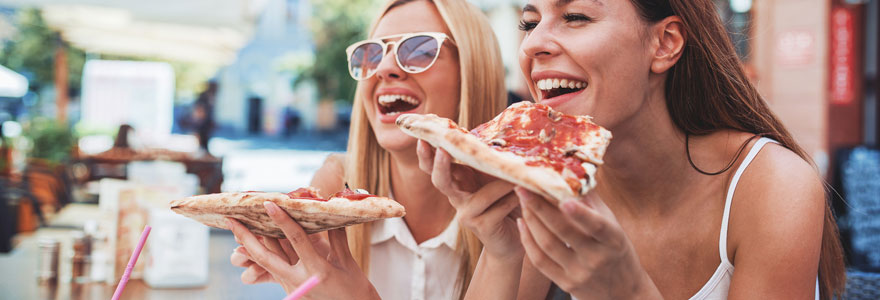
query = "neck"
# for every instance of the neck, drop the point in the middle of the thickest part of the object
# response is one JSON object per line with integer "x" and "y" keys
{"x": 645, "y": 165}
{"x": 428, "y": 211}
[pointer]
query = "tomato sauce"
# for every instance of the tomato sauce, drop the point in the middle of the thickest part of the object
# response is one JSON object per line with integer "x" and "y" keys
{"x": 539, "y": 134}
{"x": 351, "y": 195}
{"x": 305, "y": 193}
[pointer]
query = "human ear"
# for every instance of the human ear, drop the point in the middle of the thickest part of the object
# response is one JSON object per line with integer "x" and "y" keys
{"x": 668, "y": 37}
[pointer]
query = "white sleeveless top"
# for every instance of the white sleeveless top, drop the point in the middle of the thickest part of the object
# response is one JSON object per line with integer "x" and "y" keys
{"x": 718, "y": 285}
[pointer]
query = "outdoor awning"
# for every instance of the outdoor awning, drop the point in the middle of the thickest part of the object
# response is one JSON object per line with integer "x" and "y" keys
{"x": 12, "y": 84}
{"x": 200, "y": 31}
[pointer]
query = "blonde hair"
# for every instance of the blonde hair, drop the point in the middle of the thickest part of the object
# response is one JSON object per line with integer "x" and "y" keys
{"x": 483, "y": 95}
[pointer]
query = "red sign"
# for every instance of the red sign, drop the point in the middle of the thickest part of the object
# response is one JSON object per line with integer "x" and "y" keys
{"x": 843, "y": 60}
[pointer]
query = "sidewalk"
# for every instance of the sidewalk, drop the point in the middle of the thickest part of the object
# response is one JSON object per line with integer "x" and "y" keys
{"x": 273, "y": 164}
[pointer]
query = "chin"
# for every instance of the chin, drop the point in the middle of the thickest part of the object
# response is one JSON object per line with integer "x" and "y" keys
{"x": 395, "y": 141}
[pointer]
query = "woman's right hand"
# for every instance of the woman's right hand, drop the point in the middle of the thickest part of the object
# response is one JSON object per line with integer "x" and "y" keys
{"x": 485, "y": 205}
{"x": 254, "y": 273}
{"x": 340, "y": 275}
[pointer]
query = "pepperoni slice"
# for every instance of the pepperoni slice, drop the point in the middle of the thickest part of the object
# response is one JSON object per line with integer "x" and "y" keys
{"x": 306, "y": 193}
{"x": 351, "y": 195}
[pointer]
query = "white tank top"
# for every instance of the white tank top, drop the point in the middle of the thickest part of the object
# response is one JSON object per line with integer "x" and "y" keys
{"x": 718, "y": 285}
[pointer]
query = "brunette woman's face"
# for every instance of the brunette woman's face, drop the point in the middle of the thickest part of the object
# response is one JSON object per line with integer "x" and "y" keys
{"x": 586, "y": 57}
{"x": 434, "y": 91}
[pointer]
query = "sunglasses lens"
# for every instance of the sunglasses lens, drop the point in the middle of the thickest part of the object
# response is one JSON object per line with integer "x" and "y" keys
{"x": 417, "y": 53}
{"x": 365, "y": 60}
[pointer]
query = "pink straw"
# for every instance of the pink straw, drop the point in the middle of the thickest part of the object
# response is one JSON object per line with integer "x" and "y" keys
{"x": 131, "y": 263}
{"x": 304, "y": 288}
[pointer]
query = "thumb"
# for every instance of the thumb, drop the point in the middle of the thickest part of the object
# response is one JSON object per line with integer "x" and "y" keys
{"x": 592, "y": 200}
{"x": 339, "y": 250}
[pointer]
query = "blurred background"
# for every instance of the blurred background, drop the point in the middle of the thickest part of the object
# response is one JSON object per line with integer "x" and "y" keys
{"x": 133, "y": 102}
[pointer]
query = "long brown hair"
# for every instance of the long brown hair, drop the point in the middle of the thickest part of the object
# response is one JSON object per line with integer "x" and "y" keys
{"x": 707, "y": 90}
{"x": 482, "y": 97}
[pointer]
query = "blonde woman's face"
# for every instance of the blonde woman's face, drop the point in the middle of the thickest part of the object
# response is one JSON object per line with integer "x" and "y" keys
{"x": 586, "y": 57}
{"x": 434, "y": 91}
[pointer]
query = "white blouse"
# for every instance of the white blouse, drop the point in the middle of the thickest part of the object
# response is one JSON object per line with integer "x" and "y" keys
{"x": 401, "y": 269}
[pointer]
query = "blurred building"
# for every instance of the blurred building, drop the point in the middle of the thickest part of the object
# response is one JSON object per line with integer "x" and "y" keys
{"x": 815, "y": 62}
{"x": 256, "y": 92}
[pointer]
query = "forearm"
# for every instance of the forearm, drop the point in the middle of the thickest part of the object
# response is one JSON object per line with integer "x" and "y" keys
{"x": 495, "y": 278}
{"x": 532, "y": 284}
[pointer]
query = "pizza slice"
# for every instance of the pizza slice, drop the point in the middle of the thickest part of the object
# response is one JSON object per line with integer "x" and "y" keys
{"x": 305, "y": 205}
{"x": 548, "y": 152}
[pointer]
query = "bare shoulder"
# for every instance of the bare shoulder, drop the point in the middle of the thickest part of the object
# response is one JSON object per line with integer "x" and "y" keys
{"x": 330, "y": 177}
{"x": 776, "y": 222}
{"x": 781, "y": 186}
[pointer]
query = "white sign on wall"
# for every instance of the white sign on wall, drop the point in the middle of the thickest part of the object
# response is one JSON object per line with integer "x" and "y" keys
{"x": 137, "y": 93}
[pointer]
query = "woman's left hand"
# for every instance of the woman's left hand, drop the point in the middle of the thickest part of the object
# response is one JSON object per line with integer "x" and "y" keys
{"x": 582, "y": 248}
{"x": 341, "y": 277}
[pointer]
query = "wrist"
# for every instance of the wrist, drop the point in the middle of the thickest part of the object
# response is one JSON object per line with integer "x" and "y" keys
{"x": 374, "y": 294}
{"x": 645, "y": 288}
{"x": 649, "y": 291}
{"x": 511, "y": 260}
{"x": 503, "y": 254}
{"x": 370, "y": 292}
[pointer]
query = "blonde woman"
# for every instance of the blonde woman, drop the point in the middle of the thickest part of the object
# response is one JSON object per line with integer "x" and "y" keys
{"x": 437, "y": 57}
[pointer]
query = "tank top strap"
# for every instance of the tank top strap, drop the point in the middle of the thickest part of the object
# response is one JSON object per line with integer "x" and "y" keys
{"x": 722, "y": 241}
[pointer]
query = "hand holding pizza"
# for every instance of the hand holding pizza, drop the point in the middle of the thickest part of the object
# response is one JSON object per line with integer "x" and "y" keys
{"x": 581, "y": 247}
{"x": 485, "y": 205}
{"x": 254, "y": 273}
{"x": 341, "y": 277}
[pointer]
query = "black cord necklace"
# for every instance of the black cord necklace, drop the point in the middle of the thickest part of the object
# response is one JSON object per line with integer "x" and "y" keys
{"x": 739, "y": 152}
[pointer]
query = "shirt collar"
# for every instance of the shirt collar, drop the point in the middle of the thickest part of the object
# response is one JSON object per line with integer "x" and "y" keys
{"x": 386, "y": 229}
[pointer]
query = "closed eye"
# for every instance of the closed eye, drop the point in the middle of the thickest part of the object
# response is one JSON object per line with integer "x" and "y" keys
{"x": 575, "y": 17}
{"x": 527, "y": 25}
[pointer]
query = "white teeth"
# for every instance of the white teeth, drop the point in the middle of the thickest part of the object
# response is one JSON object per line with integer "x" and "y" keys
{"x": 387, "y": 100}
{"x": 554, "y": 83}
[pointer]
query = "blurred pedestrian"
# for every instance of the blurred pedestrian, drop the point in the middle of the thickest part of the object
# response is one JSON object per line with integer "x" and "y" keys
{"x": 203, "y": 115}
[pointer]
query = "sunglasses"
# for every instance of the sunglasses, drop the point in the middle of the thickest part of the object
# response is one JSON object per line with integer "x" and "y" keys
{"x": 415, "y": 53}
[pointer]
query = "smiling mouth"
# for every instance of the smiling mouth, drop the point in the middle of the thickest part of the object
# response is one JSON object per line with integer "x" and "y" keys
{"x": 554, "y": 87}
{"x": 396, "y": 104}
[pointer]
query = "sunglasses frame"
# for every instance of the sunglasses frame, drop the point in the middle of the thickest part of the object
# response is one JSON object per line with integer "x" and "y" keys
{"x": 438, "y": 36}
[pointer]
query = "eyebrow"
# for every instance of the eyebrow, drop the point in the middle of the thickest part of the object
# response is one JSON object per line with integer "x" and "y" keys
{"x": 559, "y": 4}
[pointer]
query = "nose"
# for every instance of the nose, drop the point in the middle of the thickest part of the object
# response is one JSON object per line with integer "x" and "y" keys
{"x": 388, "y": 68}
{"x": 540, "y": 43}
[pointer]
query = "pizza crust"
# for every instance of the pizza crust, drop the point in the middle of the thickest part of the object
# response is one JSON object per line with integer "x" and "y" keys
{"x": 470, "y": 150}
{"x": 312, "y": 215}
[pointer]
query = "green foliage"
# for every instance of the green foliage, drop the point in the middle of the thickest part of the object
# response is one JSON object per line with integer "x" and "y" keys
{"x": 336, "y": 24}
{"x": 49, "y": 140}
{"x": 32, "y": 51}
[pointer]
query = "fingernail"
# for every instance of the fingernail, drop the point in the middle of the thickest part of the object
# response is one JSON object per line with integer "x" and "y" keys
{"x": 269, "y": 207}
{"x": 521, "y": 194}
{"x": 519, "y": 224}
